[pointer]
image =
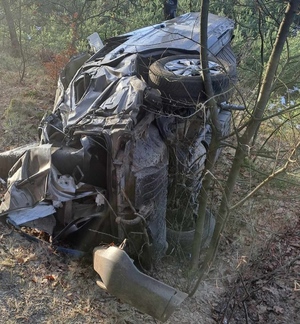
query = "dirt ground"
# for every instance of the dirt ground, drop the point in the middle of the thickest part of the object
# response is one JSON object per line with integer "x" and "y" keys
{"x": 255, "y": 279}
{"x": 266, "y": 290}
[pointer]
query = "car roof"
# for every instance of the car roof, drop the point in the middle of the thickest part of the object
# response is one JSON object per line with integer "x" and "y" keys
{"x": 182, "y": 32}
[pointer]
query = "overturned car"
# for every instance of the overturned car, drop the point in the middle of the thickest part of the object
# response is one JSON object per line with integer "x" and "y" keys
{"x": 119, "y": 164}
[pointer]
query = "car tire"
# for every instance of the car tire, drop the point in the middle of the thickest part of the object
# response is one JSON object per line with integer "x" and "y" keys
{"x": 164, "y": 74}
{"x": 182, "y": 241}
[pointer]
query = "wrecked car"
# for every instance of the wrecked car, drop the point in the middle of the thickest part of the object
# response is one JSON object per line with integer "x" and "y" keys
{"x": 119, "y": 164}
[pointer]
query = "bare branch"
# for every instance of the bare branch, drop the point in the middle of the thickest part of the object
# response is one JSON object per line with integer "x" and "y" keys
{"x": 268, "y": 179}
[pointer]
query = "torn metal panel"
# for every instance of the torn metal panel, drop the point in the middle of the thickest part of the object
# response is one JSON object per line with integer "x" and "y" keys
{"x": 9, "y": 158}
{"x": 25, "y": 215}
{"x": 103, "y": 91}
{"x": 27, "y": 179}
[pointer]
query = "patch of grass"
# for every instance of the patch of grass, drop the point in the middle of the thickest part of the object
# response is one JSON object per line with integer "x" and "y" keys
{"x": 22, "y": 104}
{"x": 21, "y": 119}
{"x": 31, "y": 93}
{"x": 8, "y": 63}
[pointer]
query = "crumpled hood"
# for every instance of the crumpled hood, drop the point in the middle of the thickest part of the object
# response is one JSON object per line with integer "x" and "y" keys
{"x": 102, "y": 92}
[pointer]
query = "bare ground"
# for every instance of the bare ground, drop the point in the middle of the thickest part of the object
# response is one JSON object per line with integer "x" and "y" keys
{"x": 255, "y": 279}
{"x": 266, "y": 290}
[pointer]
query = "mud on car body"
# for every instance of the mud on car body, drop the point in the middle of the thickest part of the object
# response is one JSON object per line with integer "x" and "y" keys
{"x": 121, "y": 156}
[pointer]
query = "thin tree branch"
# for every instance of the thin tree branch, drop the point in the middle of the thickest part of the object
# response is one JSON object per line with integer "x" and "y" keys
{"x": 268, "y": 179}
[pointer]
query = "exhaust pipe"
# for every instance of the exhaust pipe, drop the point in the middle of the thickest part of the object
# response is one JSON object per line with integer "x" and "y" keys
{"x": 122, "y": 279}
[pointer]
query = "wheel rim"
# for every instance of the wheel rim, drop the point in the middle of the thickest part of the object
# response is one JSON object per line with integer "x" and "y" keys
{"x": 191, "y": 67}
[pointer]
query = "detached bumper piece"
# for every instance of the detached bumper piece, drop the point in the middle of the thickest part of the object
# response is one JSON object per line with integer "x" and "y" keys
{"x": 122, "y": 279}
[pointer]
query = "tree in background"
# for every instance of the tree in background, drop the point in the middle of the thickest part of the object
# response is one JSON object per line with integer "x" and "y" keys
{"x": 15, "y": 44}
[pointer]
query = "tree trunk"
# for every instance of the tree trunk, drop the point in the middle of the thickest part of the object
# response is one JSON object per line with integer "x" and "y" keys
{"x": 15, "y": 44}
{"x": 215, "y": 139}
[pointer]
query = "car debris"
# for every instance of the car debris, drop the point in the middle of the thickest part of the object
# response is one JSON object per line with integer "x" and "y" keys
{"x": 119, "y": 164}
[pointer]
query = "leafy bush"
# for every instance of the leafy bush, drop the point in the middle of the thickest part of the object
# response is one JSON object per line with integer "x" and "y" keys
{"x": 56, "y": 63}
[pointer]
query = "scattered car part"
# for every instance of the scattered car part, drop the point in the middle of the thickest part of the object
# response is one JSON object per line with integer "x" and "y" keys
{"x": 121, "y": 278}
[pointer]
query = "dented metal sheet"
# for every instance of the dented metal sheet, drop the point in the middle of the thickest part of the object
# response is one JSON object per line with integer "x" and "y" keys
{"x": 28, "y": 179}
{"x": 25, "y": 215}
{"x": 182, "y": 33}
{"x": 103, "y": 91}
